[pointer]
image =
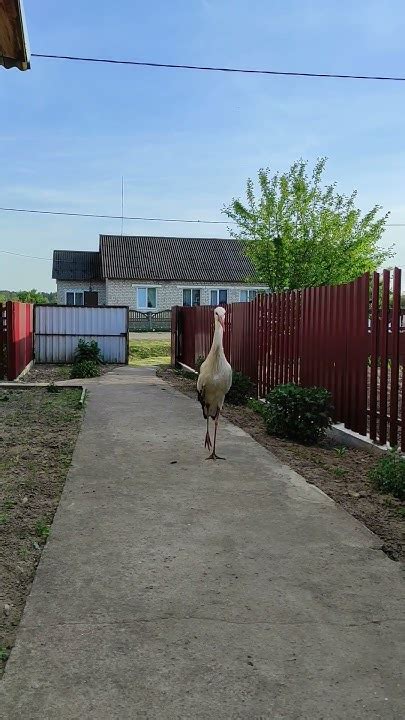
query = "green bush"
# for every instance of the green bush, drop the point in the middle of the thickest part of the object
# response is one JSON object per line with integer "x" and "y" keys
{"x": 241, "y": 390}
{"x": 298, "y": 413}
{"x": 389, "y": 475}
{"x": 85, "y": 369}
{"x": 88, "y": 351}
{"x": 258, "y": 406}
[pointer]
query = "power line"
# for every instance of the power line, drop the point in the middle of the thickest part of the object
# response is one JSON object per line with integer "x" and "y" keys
{"x": 210, "y": 68}
{"x": 32, "y": 257}
{"x": 134, "y": 217}
{"x": 116, "y": 217}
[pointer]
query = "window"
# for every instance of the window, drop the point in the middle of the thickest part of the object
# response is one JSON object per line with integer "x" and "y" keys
{"x": 74, "y": 298}
{"x": 248, "y": 295}
{"x": 191, "y": 297}
{"x": 147, "y": 298}
{"x": 219, "y": 297}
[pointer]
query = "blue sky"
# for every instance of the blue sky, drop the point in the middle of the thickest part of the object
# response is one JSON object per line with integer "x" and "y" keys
{"x": 187, "y": 141}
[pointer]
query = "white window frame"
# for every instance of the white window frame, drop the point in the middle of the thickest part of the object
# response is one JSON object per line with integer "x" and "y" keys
{"x": 74, "y": 293}
{"x": 193, "y": 289}
{"x": 146, "y": 287}
{"x": 248, "y": 291}
{"x": 217, "y": 290}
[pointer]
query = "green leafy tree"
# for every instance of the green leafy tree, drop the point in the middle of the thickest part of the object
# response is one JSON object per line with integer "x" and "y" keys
{"x": 32, "y": 296}
{"x": 299, "y": 232}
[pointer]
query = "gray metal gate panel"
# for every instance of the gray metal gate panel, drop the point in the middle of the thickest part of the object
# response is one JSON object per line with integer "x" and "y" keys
{"x": 58, "y": 329}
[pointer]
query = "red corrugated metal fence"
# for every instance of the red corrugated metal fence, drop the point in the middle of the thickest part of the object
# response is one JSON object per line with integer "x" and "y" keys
{"x": 348, "y": 338}
{"x": 16, "y": 338}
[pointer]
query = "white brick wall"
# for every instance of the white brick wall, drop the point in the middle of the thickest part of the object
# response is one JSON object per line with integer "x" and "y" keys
{"x": 64, "y": 286}
{"x": 124, "y": 292}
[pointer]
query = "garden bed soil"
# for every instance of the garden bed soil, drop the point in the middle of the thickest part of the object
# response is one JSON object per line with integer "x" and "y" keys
{"x": 38, "y": 431}
{"x": 342, "y": 473}
{"x": 54, "y": 373}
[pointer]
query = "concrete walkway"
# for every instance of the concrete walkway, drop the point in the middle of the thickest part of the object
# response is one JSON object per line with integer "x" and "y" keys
{"x": 176, "y": 588}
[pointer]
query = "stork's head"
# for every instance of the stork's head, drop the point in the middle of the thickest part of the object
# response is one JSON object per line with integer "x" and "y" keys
{"x": 219, "y": 314}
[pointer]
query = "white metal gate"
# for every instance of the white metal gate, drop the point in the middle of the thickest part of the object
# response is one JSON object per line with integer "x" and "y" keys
{"x": 58, "y": 329}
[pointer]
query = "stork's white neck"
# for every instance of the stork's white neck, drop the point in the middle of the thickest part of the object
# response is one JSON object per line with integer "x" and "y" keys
{"x": 217, "y": 342}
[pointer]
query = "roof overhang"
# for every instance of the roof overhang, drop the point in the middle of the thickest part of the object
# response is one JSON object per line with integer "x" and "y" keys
{"x": 14, "y": 45}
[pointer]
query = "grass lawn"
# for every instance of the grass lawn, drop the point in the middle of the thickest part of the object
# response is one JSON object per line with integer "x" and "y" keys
{"x": 38, "y": 432}
{"x": 149, "y": 352}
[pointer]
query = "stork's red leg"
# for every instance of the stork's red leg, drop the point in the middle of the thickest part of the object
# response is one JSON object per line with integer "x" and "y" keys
{"x": 208, "y": 443}
{"x": 213, "y": 455}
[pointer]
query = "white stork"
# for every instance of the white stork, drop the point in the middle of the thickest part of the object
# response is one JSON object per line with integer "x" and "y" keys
{"x": 214, "y": 380}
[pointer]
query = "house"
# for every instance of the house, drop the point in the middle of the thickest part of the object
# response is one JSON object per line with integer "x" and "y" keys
{"x": 151, "y": 274}
{"x": 14, "y": 48}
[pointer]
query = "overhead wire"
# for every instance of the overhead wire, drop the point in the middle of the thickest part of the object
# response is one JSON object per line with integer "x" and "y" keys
{"x": 116, "y": 217}
{"x": 178, "y": 66}
{"x": 32, "y": 257}
{"x": 212, "y": 68}
{"x": 139, "y": 218}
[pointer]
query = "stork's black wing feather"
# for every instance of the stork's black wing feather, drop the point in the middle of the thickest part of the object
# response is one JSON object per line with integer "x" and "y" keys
{"x": 200, "y": 396}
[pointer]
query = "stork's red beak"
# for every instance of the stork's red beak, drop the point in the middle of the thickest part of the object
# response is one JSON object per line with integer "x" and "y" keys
{"x": 222, "y": 321}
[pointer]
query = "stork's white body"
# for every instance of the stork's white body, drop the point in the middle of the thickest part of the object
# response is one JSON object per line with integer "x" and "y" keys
{"x": 214, "y": 381}
{"x": 215, "y": 378}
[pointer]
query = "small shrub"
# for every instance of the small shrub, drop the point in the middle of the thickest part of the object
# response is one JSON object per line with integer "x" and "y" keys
{"x": 298, "y": 413}
{"x": 241, "y": 389}
{"x": 388, "y": 475}
{"x": 88, "y": 351}
{"x": 257, "y": 406}
{"x": 85, "y": 369}
{"x": 4, "y": 653}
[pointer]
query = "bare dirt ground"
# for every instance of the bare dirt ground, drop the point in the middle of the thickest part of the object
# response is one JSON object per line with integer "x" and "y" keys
{"x": 342, "y": 473}
{"x": 38, "y": 431}
{"x": 54, "y": 373}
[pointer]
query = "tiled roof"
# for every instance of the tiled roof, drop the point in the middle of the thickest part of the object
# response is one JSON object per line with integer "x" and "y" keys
{"x": 76, "y": 265}
{"x": 213, "y": 260}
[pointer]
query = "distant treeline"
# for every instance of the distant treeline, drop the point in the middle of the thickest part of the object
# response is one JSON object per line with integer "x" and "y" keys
{"x": 34, "y": 296}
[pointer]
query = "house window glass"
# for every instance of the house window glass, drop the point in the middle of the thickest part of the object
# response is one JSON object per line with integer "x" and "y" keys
{"x": 191, "y": 297}
{"x": 219, "y": 297}
{"x": 247, "y": 295}
{"x": 75, "y": 298}
{"x": 147, "y": 298}
{"x": 222, "y": 297}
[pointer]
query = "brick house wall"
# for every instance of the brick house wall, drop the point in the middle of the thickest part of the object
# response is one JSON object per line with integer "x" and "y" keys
{"x": 124, "y": 292}
{"x": 64, "y": 286}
